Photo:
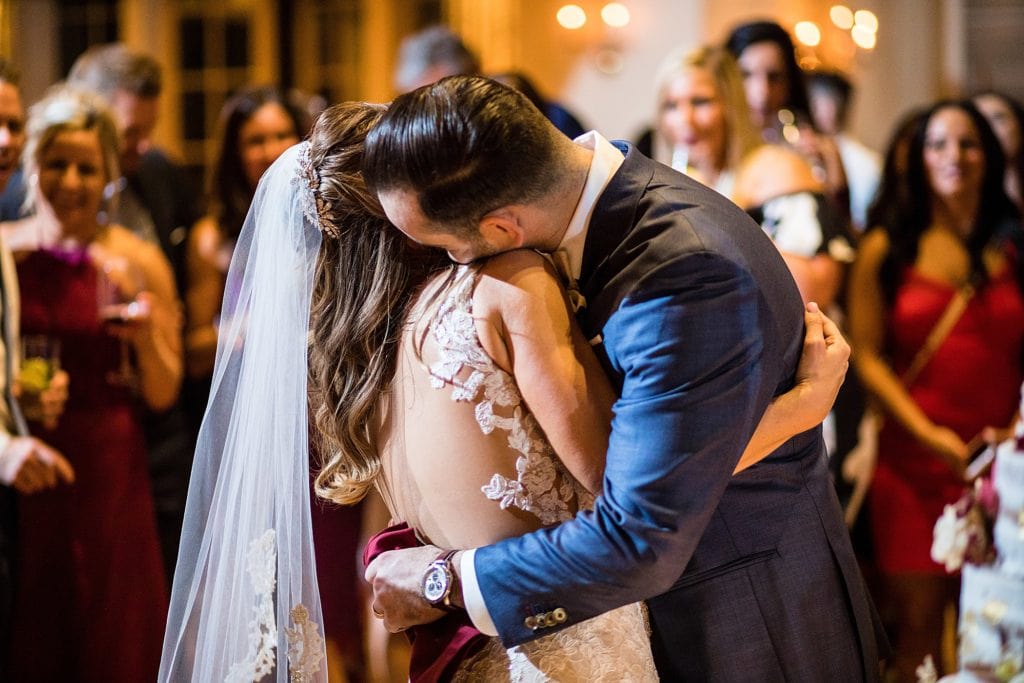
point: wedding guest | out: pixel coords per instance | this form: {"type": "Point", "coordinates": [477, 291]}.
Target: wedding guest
{"type": "Point", "coordinates": [704, 119]}
{"type": "Point", "coordinates": [27, 465]}
{"type": "Point", "coordinates": [256, 125]}
{"type": "Point", "coordinates": [437, 51]}
{"type": "Point", "coordinates": [12, 188]}
{"type": "Point", "coordinates": [830, 95]}
{"type": "Point", "coordinates": [156, 201]}
{"type": "Point", "coordinates": [430, 55]}
{"type": "Point", "coordinates": [894, 185]}
{"type": "Point", "coordinates": [779, 106]}
{"type": "Point", "coordinates": [935, 303]}
{"type": "Point", "coordinates": [772, 79]}
{"type": "Point", "coordinates": [560, 117]}
{"type": "Point", "coordinates": [91, 592]}
{"type": "Point", "coordinates": [1006, 116]}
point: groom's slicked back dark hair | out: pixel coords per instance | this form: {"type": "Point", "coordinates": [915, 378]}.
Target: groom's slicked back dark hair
{"type": "Point", "coordinates": [465, 146]}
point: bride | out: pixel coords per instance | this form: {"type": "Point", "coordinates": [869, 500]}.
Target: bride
{"type": "Point", "coordinates": [419, 379]}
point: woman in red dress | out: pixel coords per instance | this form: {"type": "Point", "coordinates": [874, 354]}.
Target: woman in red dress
{"type": "Point", "coordinates": [948, 229]}
{"type": "Point", "coordinates": [91, 592]}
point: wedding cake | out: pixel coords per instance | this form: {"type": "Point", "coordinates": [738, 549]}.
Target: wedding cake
{"type": "Point", "coordinates": [984, 532]}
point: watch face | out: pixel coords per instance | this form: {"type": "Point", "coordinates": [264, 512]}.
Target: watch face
{"type": "Point", "coordinates": [435, 583]}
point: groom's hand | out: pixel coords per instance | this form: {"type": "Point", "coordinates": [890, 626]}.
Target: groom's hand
{"type": "Point", "coordinates": [396, 577]}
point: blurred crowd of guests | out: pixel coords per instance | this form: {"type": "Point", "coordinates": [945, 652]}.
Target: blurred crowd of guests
{"type": "Point", "coordinates": [109, 353]}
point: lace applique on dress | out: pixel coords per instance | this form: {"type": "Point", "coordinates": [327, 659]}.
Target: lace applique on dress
{"type": "Point", "coordinates": [542, 485]}
{"type": "Point", "coordinates": [613, 647]}
{"type": "Point", "coordinates": [305, 645]}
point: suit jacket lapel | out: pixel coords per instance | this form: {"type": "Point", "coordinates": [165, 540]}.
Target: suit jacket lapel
{"type": "Point", "coordinates": [612, 220]}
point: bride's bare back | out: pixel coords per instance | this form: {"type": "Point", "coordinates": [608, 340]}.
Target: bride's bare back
{"type": "Point", "coordinates": [465, 462]}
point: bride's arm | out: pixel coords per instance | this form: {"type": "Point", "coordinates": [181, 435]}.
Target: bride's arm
{"type": "Point", "coordinates": [525, 326]}
{"type": "Point", "coordinates": [821, 372]}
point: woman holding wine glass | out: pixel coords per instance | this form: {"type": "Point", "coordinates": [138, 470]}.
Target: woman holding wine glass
{"type": "Point", "coordinates": [91, 592]}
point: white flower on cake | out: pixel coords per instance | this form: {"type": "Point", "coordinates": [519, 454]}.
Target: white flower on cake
{"type": "Point", "coordinates": [949, 546]}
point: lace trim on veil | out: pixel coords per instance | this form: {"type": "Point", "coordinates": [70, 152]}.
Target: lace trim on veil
{"type": "Point", "coordinates": [262, 569]}
{"type": "Point", "coordinates": [245, 589]}
{"type": "Point", "coordinates": [305, 646]}
{"type": "Point", "coordinates": [304, 642]}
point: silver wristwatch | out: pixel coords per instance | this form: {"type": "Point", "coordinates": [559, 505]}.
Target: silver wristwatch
{"type": "Point", "coordinates": [439, 582]}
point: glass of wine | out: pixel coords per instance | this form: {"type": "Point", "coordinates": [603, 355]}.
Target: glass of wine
{"type": "Point", "coordinates": [40, 361]}
{"type": "Point", "coordinates": [40, 364]}
{"type": "Point", "coordinates": [118, 284]}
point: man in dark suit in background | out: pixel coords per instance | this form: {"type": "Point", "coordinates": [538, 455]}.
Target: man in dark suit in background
{"type": "Point", "coordinates": [157, 202]}
{"type": "Point", "coordinates": [699, 324]}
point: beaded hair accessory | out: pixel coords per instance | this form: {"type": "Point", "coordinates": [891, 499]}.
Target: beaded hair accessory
{"type": "Point", "coordinates": [313, 204]}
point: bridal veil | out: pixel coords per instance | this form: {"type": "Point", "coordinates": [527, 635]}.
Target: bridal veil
{"type": "Point", "coordinates": [244, 602]}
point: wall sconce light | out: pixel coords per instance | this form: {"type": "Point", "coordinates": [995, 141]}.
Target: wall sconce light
{"type": "Point", "coordinates": [837, 42]}
{"type": "Point", "coordinates": [862, 25]}
{"type": "Point", "coordinates": [615, 14]}
{"type": "Point", "coordinates": [603, 42]}
{"type": "Point", "coordinates": [841, 16]}
{"type": "Point", "coordinates": [571, 17]}
{"type": "Point", "coordinates": [808, 33]}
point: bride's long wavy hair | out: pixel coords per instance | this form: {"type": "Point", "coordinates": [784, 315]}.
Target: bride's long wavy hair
{"type": "Point", "coordinates": [364, 284]}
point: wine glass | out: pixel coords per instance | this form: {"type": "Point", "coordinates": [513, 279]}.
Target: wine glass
{"type": "Point", "coordinates": [118, 283]}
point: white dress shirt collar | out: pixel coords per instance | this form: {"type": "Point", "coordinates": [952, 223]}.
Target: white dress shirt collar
{"type": "Point", "coordinates": [606, 161]}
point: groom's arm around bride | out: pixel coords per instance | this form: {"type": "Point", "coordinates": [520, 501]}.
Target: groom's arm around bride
{"type": "Point", "coordinates": [701, 326]}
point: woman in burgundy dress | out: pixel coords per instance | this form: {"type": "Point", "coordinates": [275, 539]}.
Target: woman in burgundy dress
{"type": "Point", "coordinates": [944, 236]}
{"type": "Point", "coordinates": [91, 593]}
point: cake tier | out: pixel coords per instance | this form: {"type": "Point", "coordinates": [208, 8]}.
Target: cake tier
{"type": "Point", "coordinates": [991, 620]}
{"type": "Point", "coordinates": [1009, 526]}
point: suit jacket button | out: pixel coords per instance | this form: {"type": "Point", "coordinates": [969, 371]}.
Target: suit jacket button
{"type": "Point", "coordinates": [549, 619]}
{"type": "Point", "coordinates": [530, 623]}
{"type": "Point", "coordinates": [560, 615]}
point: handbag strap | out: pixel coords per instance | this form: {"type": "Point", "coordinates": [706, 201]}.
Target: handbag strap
{"type": "Point", "coordinates": [954, 309]}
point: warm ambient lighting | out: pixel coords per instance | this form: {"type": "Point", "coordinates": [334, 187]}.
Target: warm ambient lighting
{"type": "Point", "coordinates": [835, 44]}
{"type": "Point", "coordinates": [571, 17]}
{"type": "Point", "coordinates": [841, 16]}
{"type": "Point", "coordinates": [863, 37]}
{"type": "Point", "coordinates": [807, 32]}
{"type": "Point", "coordinates": [866, 19]}
{"type": "Point", "coordinates": [615, 14]}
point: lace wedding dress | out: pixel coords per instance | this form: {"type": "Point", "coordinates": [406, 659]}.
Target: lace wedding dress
{"type": "Point", "coordinates": [611, 647]}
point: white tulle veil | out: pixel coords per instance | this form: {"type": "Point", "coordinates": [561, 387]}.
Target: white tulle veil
{"type": "Point", "coordinates": [245, 602]}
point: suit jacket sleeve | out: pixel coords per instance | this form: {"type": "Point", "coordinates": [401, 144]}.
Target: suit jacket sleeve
{"type": "Point", "coordinates": [687, 342]}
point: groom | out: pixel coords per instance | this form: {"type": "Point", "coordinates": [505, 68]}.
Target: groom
{"type": "Point", "coordinates": [699, 324]}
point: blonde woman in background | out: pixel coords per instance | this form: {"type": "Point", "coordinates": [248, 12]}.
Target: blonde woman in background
{"type": "Point", "coordinates": [703, 118]}
{"type": "Point", "coordinates": [91, 592]}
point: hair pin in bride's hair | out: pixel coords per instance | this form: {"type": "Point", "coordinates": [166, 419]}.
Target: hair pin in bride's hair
{"type": "Point", "coordinates": [313, 204]}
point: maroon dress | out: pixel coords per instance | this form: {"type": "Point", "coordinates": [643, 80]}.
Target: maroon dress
{"type": "Point", "coordinates": [91, 597]}
{"type": "Point", "coordinates": [972, 381]}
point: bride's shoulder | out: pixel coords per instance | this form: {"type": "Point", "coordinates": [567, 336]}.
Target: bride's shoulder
{"type": "Point", "coordinates": [521, 268]}
{"type": "Point", "coordinates": [508, 265]}
{"type": "Point", "coordinates": [516, 290]}
{"type": "Point", "coordinates": [507, 277]}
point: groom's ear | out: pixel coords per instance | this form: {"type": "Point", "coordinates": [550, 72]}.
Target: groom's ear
{"type": "Point", "coordinates": [503, 229]}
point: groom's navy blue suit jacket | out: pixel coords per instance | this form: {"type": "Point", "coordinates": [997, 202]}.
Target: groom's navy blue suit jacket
{"type": "Point", "coordinates": [749, 577]}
